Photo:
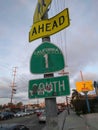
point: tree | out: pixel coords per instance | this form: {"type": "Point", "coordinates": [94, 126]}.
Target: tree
{"type": "Point", "coordinates": [10, 104]}
{"type": "Point", "coordinates": [19, 104]}
{"type": "Point", "coordinates": [76, 94]}
{"type": "Point", "coordinates": [75, 100]}
{"type": "Point", "coordinates": [0, 107]}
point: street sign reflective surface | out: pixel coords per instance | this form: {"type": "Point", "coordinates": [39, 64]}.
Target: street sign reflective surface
{"type": "Point", "coordinates": [84, 86]}
{"type": "Point", "coordinates": [49, 87]}
{"type": "Point", "coordinates": [46, 58]}
{"type": "Point", "coordinates": [40, 10]}
{"type": "Point", "coordinates": [50, 26]}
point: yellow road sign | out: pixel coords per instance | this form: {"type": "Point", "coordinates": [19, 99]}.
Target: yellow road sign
{"type": "Point", "coordinates": [84, 86]}
{"type": "Point", "coordinates": [49, 26]}
{"type": "Point", "coordinates": [40, 10]}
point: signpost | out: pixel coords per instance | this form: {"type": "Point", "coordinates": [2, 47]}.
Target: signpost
{"type": "Point", "coordinates": [46, 58]}
{"type": "Point", "coordinates": [49, 87]}
{"type": "Point", "coordinates": [85, 86]}
{"type": "Point", "coordinates": [50, 26]}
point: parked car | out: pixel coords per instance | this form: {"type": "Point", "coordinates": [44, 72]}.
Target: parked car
{"type": "Point", "coordinates": [10, 114]}
{"type": "Point", "coordinates": [13, 127]}
{"type": "Point", "coordinates": [19, 114]}
{"type": "Point", "coordinates": [42, 117]}
{"type": "Point", "coordinates": [4, 115]}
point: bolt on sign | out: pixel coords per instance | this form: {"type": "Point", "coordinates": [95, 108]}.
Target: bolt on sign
{"type": "Point", "coordinates": [50, 26]}
{"type": "Point", "coordinates": [49, 87]}
{"type": "Point", "coordinates": [46, 58]}
{"type": "Point", "coordinates": [40, 10]}
{"type": "Point", "coordinates": [84, 86]}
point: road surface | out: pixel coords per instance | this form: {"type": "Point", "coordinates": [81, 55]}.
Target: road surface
{"type": "Point", "coordinates": [29, 121]}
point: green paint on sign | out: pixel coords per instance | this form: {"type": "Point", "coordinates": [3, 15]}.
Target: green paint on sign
{"type": "Point", "coordinates": [49, 87]}
{"type": "Point", "coordinates": [46, 58]}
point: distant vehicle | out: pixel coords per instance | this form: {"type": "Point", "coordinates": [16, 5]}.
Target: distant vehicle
{"type": "Point", "coordinates": [4, 115]}
{"type": "Point", "coordinates": [27, 113]}
{"type": "Point", "coordinates": [31, 112]}
{"type": "Point", "coordinates": [13, 127]}
{"type": "Point", "coordinates": [10, 114]}
{"type": "Point", "coordinates": [19, 114]}
{"type": "Point", "coordinates": [39, 111]}
{"type": "Point", "coordinates": [42, 117]}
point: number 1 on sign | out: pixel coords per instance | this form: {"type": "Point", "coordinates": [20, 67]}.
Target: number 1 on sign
{"type": "Point", "coordinates": [46, 60]}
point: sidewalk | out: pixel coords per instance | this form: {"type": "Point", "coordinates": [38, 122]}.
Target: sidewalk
{"type": "Point", "coordinates": [74, 122]}
{"type": "Point", "coordinates": [83, 122]}
{"type": "Point", "coordinates": [92, 121]}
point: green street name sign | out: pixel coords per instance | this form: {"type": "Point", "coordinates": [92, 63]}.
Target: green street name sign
{"type": "Point", "coordinates": [49, 87]}
{"type": "Point", "coordinates": [46, 58]}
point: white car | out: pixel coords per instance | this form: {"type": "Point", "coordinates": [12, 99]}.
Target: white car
{"type": "Point", "coordinates": [19, 114]}
{"type": "Point", "coordinates": [42, 117]}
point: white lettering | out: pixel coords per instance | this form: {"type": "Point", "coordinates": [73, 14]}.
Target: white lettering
{"type": "Point", "coordinates": [31, 93]}
{"type": "Point", "coordinates": [46, 60]}
{"type": "Point", "coordinates": [54, 83]}
{"type": "Point", "coordinates": [41, 89]}
{"type": "Point", "coordinates": [48, 87]}
{"type": "Point", "coordinates": [47, 51]}
{"type": "Point", "coordinates": [61, 86]}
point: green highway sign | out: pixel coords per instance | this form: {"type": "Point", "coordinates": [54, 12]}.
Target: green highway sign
{"type": "Point", "coordinates": [49, 87]}
{"type": "Point", "coordinates": [46, 58]}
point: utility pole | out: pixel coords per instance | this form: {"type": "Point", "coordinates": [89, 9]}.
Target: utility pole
{"type": "Point", "coordinates": [13, 90]}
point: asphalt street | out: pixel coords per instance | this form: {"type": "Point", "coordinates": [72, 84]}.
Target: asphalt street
{"type": "Point", "coordinates": [30, 121]}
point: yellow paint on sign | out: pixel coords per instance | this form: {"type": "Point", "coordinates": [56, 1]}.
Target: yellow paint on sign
{"type": "Point", "coordinates": [84, 86]}
{"type": "Point", "coordinates": [51, 26]}
{"type": "Point", "coordinates": [40, 10]}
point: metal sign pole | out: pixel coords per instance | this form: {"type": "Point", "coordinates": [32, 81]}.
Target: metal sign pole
{"type": "Point", "coordinates": [86, 96]}
{"type": "Point", "coordinates": [51, 111]}
{"type": "Point", "coordinates": [88, 106]}
{"type": "Point", "coordinates": [51, 106]}
{"type": "Point", "coordinates": [40, 29]}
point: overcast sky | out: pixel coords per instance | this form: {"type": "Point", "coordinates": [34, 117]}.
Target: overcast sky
{"type": "Point", "coordinates": [78, 42]}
